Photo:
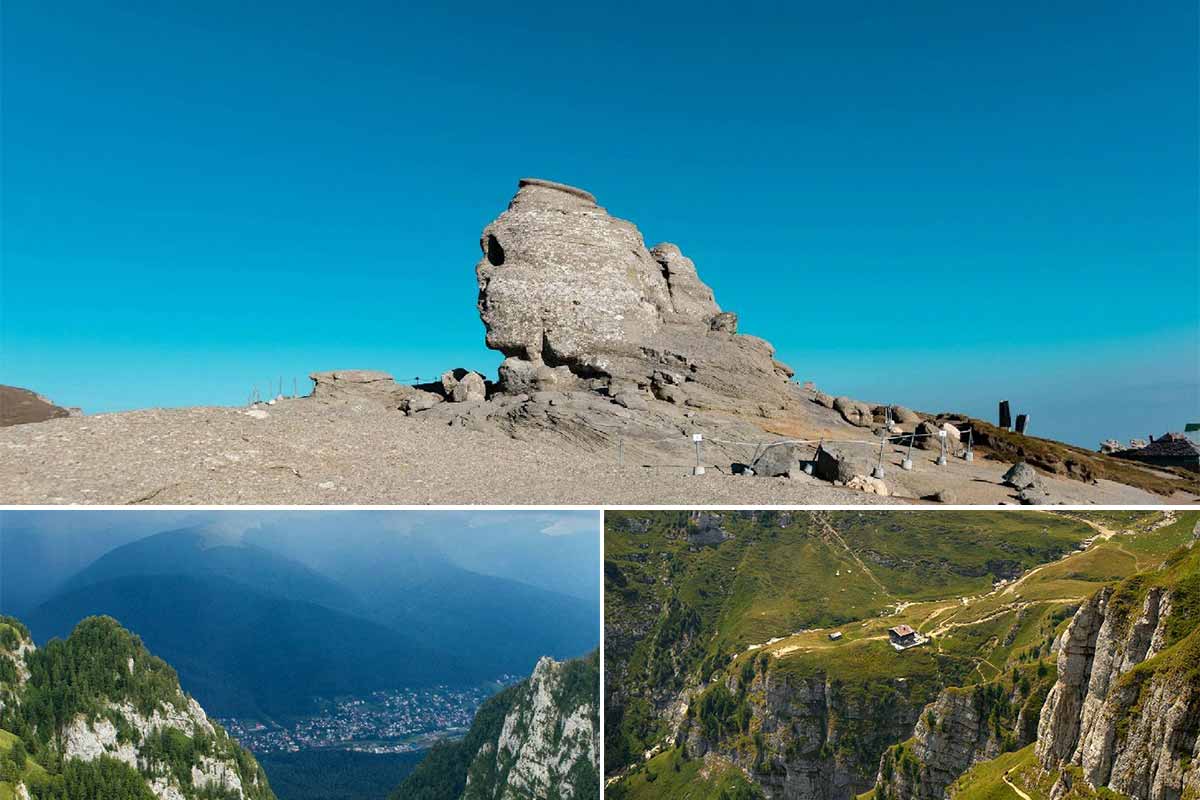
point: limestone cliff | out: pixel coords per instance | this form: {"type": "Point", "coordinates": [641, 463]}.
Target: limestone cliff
{"type": "Point", "coordinates": [537, 740]}
{"type": "Point", "coordinates": [812, 737]}
{"type": "Point", "coordinates": [963, 727]}
{"type": "Point", "coordinates": [548, 746]}
{"type": "Point", "coordinates": [98, 710]}
{"type": "Point", "coordinates": [1125, 711]}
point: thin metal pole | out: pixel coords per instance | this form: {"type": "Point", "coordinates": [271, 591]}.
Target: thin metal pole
{"type": "Point", "coordinates": [879, 466]}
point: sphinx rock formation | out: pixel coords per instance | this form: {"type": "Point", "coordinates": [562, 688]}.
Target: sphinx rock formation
{"type": "Point", "coordinates": [575, 301]}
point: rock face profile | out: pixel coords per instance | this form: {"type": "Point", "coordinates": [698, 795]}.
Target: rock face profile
{"type": "Point", "coordinates": [574, 299]}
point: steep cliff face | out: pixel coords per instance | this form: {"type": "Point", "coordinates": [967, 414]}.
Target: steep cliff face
{"type": "Point", "coordinates": [548, 746]}
{"type": "Point", "coordinates": [538, 740]}
{"type": "Point", "coordinates": [1125, 711]}
{"type": "Point", "coordinates": [807, 737]}
{"type": "Point", "coordinates": [97, 710]}
{"type": "Point", "coordinates": [963, 727]}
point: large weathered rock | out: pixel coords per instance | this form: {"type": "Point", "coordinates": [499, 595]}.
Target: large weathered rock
{"type": "Point", "coordinates": [927, 436]}
{"type": "Point", "coordinates": [781, 460]}
{"type": "Point", "coordinates": [368, 387]}
{"type": "Point", "coordinates": [348, 386]}
{"type": "Point", "coordinates": [470, 389]}
{"type": "Point", "coordinates": [839, 465]}
{"type": "Point", "coordinates": [575, 300]}
{"type": "Point", "coordinates": [1020, 476]}
{"type": "Point", "coordinates": [854, 412]}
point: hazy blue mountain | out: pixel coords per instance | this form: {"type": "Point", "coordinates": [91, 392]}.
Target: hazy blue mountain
{"type": "Point", "coordinates": [244, 653]}
{"type": "Point", "coordinates": [34, 564]}
{"type": "Point", "coordinates": [405, 581]}
{"type": "Point", "coordinates": [209, 550]}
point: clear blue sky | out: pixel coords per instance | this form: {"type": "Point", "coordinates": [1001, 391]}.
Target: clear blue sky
{"type": "Point", "coordinates": [937, 206]}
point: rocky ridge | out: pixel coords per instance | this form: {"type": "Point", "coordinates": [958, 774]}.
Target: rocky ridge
{"type": "Point", "coordinates": [1125, 711]}
{"type": "Point", "coordinates": [537, 740]}
{"type": "Point", "coordinates": [127, 717]}
{"type": "Point", "coordinates": [814, 736]}
{"type": "Point", "coordinates": [548, 743]}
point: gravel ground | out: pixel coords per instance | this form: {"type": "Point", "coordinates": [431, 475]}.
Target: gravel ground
{"type": "Point", "coordinates": [306, 453]}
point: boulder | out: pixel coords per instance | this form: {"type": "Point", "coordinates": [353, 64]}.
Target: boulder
{"type": "Point", "coordinates": [1034, 495]}
{"type": "Point", "coordinates": [450, 379]}
{"type": "Point", "coordinates": [905, 415]}
{"type": "Point", "coordinates": [945, 496]}
{"type": "Point", "coordinates": [927, 436]}
{"type": "Point", "coordinates": [358, 387]}
{"type": "Point", "coordinates": [470, 388]}
{"type": "Point", "coordinates": [573, 298]}
{"type": "Point", "coordinates": [854, 412]}
{"type": "Point", "coordinates": [822, 399]}
{"type": "Point", "coordinates": [839, 465]}
{"type": "Point", "coordinates": [953, 434]}
{"type": "Point", "coordinates": [868, 484]}
{"type": "Point", "coordinates": [781, 460]}
{"type": "Point", "coordinates": [1020, 476]}
{"type": "Point", "coordinates": [419, 400]}
{"type": "Point", "coordinates": [1110, 446]}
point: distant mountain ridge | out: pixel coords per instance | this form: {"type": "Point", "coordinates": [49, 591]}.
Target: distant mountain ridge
{"type": "Point", "coordinates": [376, 618]}
{"type": "Point", "coordinates": [248, 654]}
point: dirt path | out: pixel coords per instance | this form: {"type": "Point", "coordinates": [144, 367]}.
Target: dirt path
{"type": "Point", "coordinates": [1013, 786]}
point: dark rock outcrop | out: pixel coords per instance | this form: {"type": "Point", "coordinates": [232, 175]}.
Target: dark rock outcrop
{"type": "Point", "coordinates": [839, 465]}
{"type": "Point", "coordinates": [781, 460]}
{"type": "Point", "coordinates": [20, 406]}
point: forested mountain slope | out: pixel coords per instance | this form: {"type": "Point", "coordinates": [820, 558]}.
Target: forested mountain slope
{"type": "Point", "coordinates": [97, 716]}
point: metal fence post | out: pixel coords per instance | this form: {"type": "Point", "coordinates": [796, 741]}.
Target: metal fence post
{"type": "Point", "coordinates": [941, 459]}
{"type": "Point", "coordinates": [698, 438]}
{"type": "Point", "coordinates": [878, 472]}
